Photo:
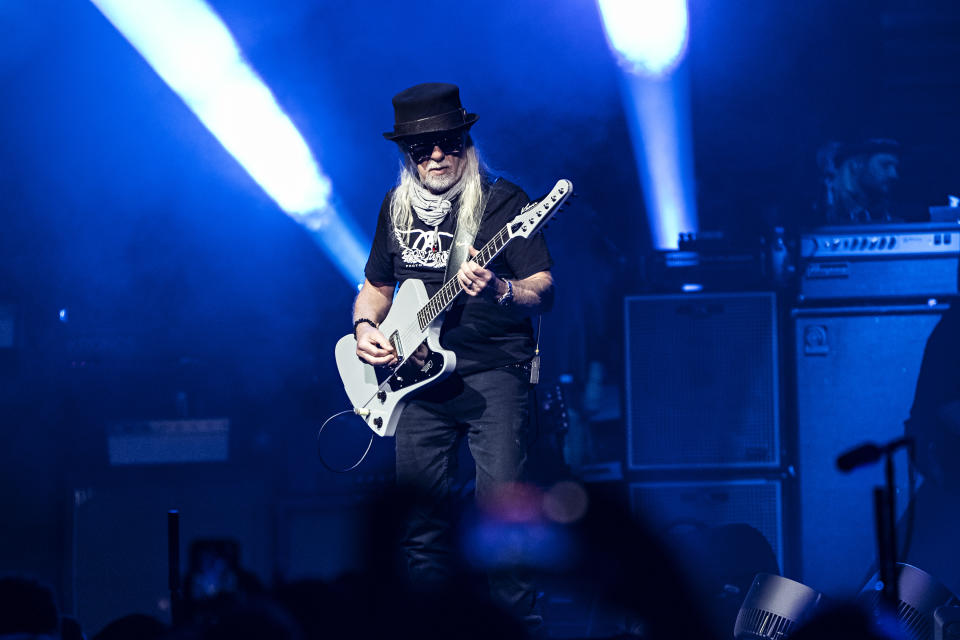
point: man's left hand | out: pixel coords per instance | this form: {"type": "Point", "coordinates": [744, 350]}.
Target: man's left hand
{"type": "Point", "coordinates": [476, 280]}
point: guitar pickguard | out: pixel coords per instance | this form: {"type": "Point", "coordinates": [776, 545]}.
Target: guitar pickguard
{"type": "Point", "coordinates": [422, 364]}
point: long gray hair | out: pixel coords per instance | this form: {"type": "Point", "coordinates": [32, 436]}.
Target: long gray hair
{"type": "Point", "coordinates": [472, 197]}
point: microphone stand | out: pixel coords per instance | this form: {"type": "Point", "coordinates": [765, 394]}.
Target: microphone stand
{"type": "Point", "coordinates": [885, 518]}
{"type": "Point", "coordinates": [885, 511]}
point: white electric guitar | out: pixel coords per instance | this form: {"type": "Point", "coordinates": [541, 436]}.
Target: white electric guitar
{"type": "Point", "coordinates": [379, 394]}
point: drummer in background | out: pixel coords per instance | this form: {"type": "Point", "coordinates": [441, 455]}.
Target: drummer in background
{"type": "Point", "coordinates": [859, 180]}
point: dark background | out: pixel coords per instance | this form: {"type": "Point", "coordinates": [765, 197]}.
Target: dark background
{"type": "Point", "coordinates": [180, 275]}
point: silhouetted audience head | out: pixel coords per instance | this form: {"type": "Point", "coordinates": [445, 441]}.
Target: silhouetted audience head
{"type": "Point", "coordinates": [322, 609]}
{"type": "Point", "coordinates": [70, 629]}
{"type": "Point", "coordinates": [616, 561]}
{"type": "Point", "coordinates": [136, 626]}
{"type": "Point", "coordinates": [253, 619]}
{"type": "Point", "coordinates": [27, 607]}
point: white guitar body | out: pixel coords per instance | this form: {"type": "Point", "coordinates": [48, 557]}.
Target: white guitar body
{"type": "Point", "coordinates": [381, 393]}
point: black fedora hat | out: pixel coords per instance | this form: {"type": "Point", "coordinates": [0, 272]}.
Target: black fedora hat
{"type": "Point", "coordinates": [427, 108]}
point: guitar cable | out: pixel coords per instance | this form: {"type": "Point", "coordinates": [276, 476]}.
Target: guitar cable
{"type": "Point", "coordinates": [320, 452]}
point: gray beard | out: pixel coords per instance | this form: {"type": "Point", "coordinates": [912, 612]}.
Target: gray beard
{"type": "Point", "coordinates": [440, 184]}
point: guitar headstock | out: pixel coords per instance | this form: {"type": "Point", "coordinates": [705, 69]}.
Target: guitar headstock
{"type": "Point", "coordinates": [536, 214]}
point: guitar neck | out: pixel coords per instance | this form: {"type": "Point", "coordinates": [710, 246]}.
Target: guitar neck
{"type": "Point", "coordinates": [451, 288]}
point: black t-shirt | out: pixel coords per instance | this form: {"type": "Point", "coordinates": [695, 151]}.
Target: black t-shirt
{"type": "Point", "coordinates": [483, 334]}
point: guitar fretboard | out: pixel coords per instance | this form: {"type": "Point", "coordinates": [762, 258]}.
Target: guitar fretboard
{"type": "Point", "coordinates": [452, 288]}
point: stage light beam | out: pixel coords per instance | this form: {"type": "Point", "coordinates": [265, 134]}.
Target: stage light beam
{"type": "Point", "coordinates": [649, 39]}
{"type": "Point", "coordinates": [191, 49]}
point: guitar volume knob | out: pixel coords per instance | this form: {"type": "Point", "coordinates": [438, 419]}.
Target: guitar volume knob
{"type": "Point", "coordinates": [382, 396]}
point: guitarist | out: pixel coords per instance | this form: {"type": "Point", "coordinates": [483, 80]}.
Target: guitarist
{"type": "Point", "coordinates": [444, 205]}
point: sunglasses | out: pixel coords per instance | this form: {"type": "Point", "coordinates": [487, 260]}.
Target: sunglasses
{"type": "Point", "coordinates": [420, 150]}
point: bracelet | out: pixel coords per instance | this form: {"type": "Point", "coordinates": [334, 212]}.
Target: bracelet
{"type": "Point", "coordinates": [507, 298]}
{"type": "Point", "coordinates": [357, 323]}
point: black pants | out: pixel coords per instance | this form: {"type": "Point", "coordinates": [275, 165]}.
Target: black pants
{"type": "Point", "coordinates": [491, 410]}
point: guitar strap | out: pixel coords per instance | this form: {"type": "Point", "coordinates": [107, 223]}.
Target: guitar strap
{"type": "Point", "coordinates": [463, 237]}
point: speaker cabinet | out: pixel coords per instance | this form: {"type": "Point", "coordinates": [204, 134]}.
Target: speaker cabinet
{"type": "Point", "coordinates": [856, 372]}
{"type": "Point", "coordinates": [702, 381]}
{"type": "Point", "coordinates": [756, 502]}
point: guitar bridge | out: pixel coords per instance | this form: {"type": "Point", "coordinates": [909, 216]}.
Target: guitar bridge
{"type": "Point", "coordinates": [397, 346]}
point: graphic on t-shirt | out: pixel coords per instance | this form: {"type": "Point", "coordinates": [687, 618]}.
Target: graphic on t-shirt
{"type": "Point", "coordinates": [424, 247]}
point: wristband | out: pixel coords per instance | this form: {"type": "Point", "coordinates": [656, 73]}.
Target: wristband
{"type": "Point", "coordinates": [507, 298]}
{"type": "Point", "coordinates": [357, 323]}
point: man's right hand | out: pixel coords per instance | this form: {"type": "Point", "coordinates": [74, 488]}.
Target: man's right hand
{"type": "Point", "coordinates": [373, 348]}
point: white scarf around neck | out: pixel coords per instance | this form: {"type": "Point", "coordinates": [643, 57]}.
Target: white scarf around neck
{"type": "Point", "coordinates": [432, 208]}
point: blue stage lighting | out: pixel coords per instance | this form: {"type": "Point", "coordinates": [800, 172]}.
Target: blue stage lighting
{"type": "Point", "coordinates": [658, 114]}
{"type": "Point", "coordinates": [649, 36]}
{"type": "Point", "coordinates": [188, 45]}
